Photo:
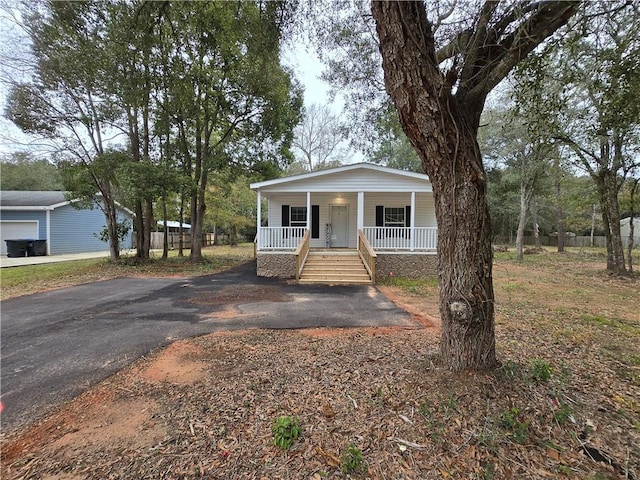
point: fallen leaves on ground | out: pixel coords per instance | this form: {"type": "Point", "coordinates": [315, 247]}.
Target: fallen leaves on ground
{"type": "Point", "coordinates": [564, 403]}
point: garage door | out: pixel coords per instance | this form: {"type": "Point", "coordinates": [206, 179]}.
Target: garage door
{"type": "Point", "coordinates": [11, 230]}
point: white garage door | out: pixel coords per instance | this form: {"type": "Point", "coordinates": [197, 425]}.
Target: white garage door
{"type": "Point", "coordinates": [11, 230]}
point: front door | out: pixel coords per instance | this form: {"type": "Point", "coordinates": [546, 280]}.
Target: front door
{"type": "Point", "coordinates": [340, 226]}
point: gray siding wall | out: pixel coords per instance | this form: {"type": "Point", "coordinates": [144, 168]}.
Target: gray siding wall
{"type": "Point", "coordinates": [72, 231]}
{"type": "Point", "coordinates": [40, 216]}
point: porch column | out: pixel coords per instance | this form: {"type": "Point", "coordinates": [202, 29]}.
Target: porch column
{"type": "Point", "coordinates": [48, 231]}
{"type": "Point", "coordinates": [259, 221]}
{"type": "Point", "coordinates": [413, 221]}
{"type": "Point", "coordinates": [309, 212]}
{"type": "Point", "coordinates": [360, 214]}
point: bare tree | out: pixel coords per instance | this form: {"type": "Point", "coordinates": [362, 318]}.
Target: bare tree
{"type": "Point", "coordinates": [318, 137]}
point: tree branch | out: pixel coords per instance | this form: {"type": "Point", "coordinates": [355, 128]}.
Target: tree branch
{"type": "Point", "coordinates": [548, 18]}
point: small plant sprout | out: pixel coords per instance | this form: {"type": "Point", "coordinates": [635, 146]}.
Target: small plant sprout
{"type": "Point", "coordinates": [286, 430]}
{"type": "Point", "coordinates": [510, 422]}
{"type": "Point", "coordinates": [352, 460]}
{"type": "Point", "coordinates": [541, 371]}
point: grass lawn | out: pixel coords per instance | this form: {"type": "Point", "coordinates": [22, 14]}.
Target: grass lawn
{"type": "Point", "coordinates": [373, 403]}
{"type": "Point", "coordinates": [17, 281]}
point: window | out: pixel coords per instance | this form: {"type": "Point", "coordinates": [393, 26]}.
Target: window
{"type": "Point", "coordinates": [394, 217]}
{"type": "Point", "coordinates": [298, 217]}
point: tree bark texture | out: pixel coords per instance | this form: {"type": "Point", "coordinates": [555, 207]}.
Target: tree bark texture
{"type": "Point", "coordinates": [607, 186]}
{"type": "Point", "coordinates": [444, 134]}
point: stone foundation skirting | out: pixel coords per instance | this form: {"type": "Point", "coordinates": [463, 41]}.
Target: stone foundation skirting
{"type": "Point", "coordinates": [407, 265]}
{"type": "Point", "coordinates": [280, 265]}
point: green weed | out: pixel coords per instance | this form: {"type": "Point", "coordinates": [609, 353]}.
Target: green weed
{"type": "Point", "coordinates": [516, 429]}
{"type": "Point", "coordinates": [352, 461]}
{"type": "Point", "coordinates": [541, 371]}
{"type": "Point", "coordinates": [510, 370]}
{"type": "Point", "coordinates": [286, 430]}
{"type": "Point", "coordinates": [563, 414]}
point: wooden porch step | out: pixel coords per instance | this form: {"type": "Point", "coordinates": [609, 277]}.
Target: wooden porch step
{"type": "Point", "coordinates": [335, 268]}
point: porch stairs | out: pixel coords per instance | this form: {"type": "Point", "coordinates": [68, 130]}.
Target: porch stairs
{"type": "Point", "coordinates": [342, 267]}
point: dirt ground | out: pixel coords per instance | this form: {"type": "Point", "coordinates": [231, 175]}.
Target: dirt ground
{"type": "Point", "coordinates": [564, 404]}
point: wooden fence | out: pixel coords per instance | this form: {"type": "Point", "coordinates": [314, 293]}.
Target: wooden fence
{"type": "Point", "coordinates": [569, 241]}
{"type": "Point", "coordinates": [157, 240]}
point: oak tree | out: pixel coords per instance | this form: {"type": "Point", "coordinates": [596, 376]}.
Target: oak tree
{"type": "Point", "coordinates": [438, 75]}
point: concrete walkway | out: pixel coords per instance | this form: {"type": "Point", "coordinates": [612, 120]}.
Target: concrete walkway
{"type": "Point", "coordinates": [6, 262]}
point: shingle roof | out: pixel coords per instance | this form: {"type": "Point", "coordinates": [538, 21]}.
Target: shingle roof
{"type": "Point", "coordinates": [21, 198]}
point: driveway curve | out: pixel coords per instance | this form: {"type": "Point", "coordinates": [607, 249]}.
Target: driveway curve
{"type": "Point", "coordinates": [57, 344]}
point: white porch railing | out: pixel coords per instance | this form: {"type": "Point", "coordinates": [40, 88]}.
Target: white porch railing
{"type": "Point", "coordinates": [399, 238]}
{"type": "Point", "coordinates": [279, 238]}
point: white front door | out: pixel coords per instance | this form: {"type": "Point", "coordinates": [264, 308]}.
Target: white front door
{"type": "Point", "coordinates": [340, 226]}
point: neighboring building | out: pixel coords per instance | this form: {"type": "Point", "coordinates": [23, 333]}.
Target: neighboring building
{"type": "Point", "coordinates": [625, 225]}
{"type": "Point", "coordinates": [174, 226]}
{"type": "Point", "coordinates": [49, 216]}
{"type": "Point", "coordinates": [381, 218]}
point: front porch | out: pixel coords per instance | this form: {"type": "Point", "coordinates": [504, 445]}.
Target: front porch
{"type": "Point", "coordinates": [384, 217]}
{"type": "Point", "coordinates": [286, 253]}
{"type": "Point", "coordinates": [390, 239]}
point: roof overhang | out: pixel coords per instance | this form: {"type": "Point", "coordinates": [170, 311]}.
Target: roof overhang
{"type": "Point", "coordinates": [275, 184]}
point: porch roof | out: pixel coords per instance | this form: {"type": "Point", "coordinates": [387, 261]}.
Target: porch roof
{"type": "Point", "coordinates": [358, 177]}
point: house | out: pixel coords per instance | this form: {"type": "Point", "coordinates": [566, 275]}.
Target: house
{"type": "Point", "coordinates": [625, 226]}
{"type": "Point", "coordinates": [351, 224]}
{"type": "Point", "coordinates": [50, 216]}
{"type": "Point", "coordinates": [174, 227]}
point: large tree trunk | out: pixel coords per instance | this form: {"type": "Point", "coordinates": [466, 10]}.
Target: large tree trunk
{"type": "Point", "coordinates": [522, 222]}
{"type": "Point", "coordinates": [111, 215]}
{"type": "Point", "coordinates": [139, 228]}
{"type": "Point", "coordinates": [533, 209]}
{"type": "Point", "coordinates": [148, 227]}
{"type": "Point", "coordinates": [526, 194]}
{"type": "Point", "coordinates": [444, 134]}
{"type": "Point", "coordinates": [443, 128]}
{"type": "Point", "coordinates": [559, 211]}
{"type": "Point", "coordinates": [608, 199]}
{"type": "Point", "coordinates": [630, 238]}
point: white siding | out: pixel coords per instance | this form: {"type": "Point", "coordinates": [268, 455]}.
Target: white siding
{"type": "Point", "coordinates": [425, 213]}
{"type": "Point", "coordinates": [324, 201]}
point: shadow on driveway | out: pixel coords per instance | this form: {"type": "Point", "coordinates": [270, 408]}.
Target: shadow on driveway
{"type": "Point", "coordinates": [57, 344]}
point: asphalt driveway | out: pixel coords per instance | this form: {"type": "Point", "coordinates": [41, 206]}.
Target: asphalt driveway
{"type": "Point", "coordinates": [55, 345]}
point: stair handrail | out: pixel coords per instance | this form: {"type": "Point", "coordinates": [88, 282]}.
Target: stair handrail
{"type": "Point", "coordinates": [301, 253]}
{"type": "Point", "coordinates": [368, 256]}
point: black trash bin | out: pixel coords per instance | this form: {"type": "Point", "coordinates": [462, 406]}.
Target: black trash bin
{"type": "Point", "coordinates": [39, 247]}
{"type": "Point", "coordinates": [16, 248]}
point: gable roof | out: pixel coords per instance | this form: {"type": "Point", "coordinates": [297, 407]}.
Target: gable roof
{"type": "Point", "coordinates": [37, 200]}
{"type": "Point", "coordinates": [325, 180]}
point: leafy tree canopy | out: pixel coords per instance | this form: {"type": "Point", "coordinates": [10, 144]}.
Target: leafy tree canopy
{"type": "Point", "coordinates": [20, 171]}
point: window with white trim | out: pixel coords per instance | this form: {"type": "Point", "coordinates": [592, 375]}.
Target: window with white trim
{"type": "Point", "coordinates": [298, 217]}
{"type": "Point", "coordinates": [394, 217]}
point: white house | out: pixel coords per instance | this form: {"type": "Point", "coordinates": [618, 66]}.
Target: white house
{"type": "Point", "coordinates": [625, 227]}
{"type": "Point", "coordinates": [377, 220]}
